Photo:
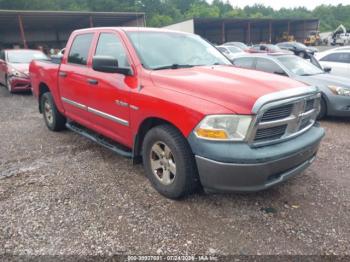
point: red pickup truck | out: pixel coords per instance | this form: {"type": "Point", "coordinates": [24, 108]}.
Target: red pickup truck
{"type": "Point", "coordinates": [174, 101]}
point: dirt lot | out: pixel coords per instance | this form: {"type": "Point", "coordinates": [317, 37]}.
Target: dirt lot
{"type": "Point", "coordinates": [62, 194]}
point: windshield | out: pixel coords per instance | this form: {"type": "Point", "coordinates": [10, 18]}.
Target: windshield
{"type": "Point", "coordinates": [159, 50]}
{"type": "Point", "coordinates": [299, 66]}
{"type": "Point", "coordinates": [25, 56]}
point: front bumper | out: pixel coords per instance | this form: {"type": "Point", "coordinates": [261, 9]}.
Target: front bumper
{"type": "Point", "coordinates": [229, 167]}
{"type": "Point", "coordinates": [20, 84]}
{"type": "Point", "coordinates": [338, 105]}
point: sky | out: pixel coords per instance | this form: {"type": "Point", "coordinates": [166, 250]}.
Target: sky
{"type": "Point", "coordinates": [277, 4]}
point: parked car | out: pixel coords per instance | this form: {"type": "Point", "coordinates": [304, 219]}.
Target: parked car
{"type": "Point", "coordinates": [267, 48]}
{"type": "Point", "coordinates": [229, 51]}
{"type": "Point", "coordinates": [190, 115]}
{"type": "Point", "coordinates": [240, 45]}
{"type": "Point", "coordinates": [298, 49]}
{"type": "Point", "coordinates": [337, 59]}
{"type": "Point", "coordinates": [335, 90]}
{"type": "Point", "coordinates": [14, 68]}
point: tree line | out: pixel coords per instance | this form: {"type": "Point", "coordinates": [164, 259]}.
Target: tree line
{"type": "Point", "coordinates": [164, 12]}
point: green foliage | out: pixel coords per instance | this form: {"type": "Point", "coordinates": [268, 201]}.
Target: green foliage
{"type": "Point", "coordinates": [164, 12]}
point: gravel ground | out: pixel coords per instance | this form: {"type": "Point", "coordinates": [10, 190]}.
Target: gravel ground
{"type": "Point", "coordinates": [62, 194]}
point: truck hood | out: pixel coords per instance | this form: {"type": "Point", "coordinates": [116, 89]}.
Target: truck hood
{"type": "Point", "coordinates": [235, 88]}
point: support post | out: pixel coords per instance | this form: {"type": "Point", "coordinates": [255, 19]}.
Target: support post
{"type": "Point", "coordinates": [249, 34]}
{"type": "Point", "coordinates": [21, 28]}
{"type": "Point", "coordinates": [223, 33]}
{"type": "Point", "coordinates": [270, 32]}
{"type": "Point", "coordinates": [91, 21]}
{"type": "Point", "coordinates": [288, 28]}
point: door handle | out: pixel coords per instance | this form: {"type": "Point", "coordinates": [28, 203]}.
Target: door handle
{"type": "Point", "coordinates": [92, 81]}
{"type": "Point", "coordinates": [62, 74]}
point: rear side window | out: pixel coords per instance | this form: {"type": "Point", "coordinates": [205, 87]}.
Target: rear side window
{"type": "Point", "coordinates": [245, 62]}
{"type": "Point", "coordinates": [337, 57]}
{"type": "Point", "coordinates": [267, 66]}
{"type": "Point", "coordinates": [79, 50]}
{"type": "Point", "coordinates": [110, 45]}
{"type": "Point", "coordinates": [2, 55]}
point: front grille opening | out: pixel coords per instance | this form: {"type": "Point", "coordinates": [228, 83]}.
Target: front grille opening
{"type": "Point", "coordinates": [271, 133]}
{"type": "Point", "coordinates": [310, 104]}
{"type": "Point", "coordinates": [277, 113]}
{"type": "Point", "coordinates": [305, 123]}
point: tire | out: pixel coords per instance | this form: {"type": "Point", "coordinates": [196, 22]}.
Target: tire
{"type": "Point", "coordinates": [54, 120]}
{"type": "Point", "coordinates": [176, 151]}
{"type": "Point", "coordinates": [8, 85]}
{"type": "Point", "coordinates": [323, 109]}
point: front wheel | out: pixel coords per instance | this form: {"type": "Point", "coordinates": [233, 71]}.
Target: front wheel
{"type": "Point", "coordinates": [323, 109]}
{"type": "Point", "coordinates": [169, 163]}
{"type": "Point", "coordinates": [54, 120]}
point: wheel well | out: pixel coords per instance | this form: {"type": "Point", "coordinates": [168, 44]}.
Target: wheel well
{"type": "Point", "coordinates": [146, 125]}
{"type": "Point", "coordinates": [43, 88]}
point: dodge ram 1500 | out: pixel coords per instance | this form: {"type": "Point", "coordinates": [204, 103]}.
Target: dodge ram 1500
{"type": "Point", "coordinates": [174, 101]}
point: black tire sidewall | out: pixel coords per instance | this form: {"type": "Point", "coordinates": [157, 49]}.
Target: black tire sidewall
{"type": "Point", "coordinates": [48, 97]}
{"type": "Point", "coordinates": [323, 109]}
{"type": "Point", "coordinates": [184, 163]}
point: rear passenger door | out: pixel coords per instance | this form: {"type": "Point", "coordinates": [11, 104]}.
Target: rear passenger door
{"type": "Point", "coordinates": [74, 79]}
{"type": "Point", "coordinates": [339, 62]}
{"type": "Point", "coordinates": [109, 97]}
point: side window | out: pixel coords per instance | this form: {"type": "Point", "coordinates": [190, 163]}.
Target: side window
{"type": "Point", "coordinates": [337, 57]}
{"type": "Point", "coordinates": [245, 62]}
{"type": "Point", "coordinates": [267, 66]}
{"type": "Point", "coordinates": [79, 50]}
{"type": "Point", "coordinates": [110, 45]}
{"type": "Point", "coordinates": [2, 55]}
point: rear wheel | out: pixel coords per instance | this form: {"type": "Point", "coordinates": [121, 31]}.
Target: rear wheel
{"type": "Point", "coordinates": [54, 120]}
{"type": "Point", "coordinates": [169, 162]}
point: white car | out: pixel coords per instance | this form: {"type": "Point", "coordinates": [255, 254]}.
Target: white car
{"type": "Point", "coordinates": [337, 59]}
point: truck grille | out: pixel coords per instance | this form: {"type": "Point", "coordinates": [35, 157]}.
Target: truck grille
{"type": "Point", "coordinates": [277, 122]}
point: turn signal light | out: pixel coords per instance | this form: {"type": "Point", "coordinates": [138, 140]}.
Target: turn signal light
{"type": "Point", "coordinates": [214, 134]}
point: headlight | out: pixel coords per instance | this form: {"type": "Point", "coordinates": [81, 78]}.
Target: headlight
{"type": "Point", "coordinates": [17, 73]}
{"type": "Point", "coordinates": [224, 127]}
{"type": "Point", "coordinates": [341, 91]}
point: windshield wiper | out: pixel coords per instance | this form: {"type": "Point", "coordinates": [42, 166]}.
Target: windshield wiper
{"type": "Point", "coordinates": [173, 66]}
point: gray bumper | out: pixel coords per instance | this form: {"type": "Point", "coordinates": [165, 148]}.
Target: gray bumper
{"type": "Point", "coordinates": [238, 167]}
{"type": "Point", "coordinates": [338, 105]}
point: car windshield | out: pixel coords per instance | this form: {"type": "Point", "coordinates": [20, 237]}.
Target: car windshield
{"type": "Point", "coordinates": [159, 50]}
{"type": "Point", "coordinates": [25, 56]}
{"type": "Point", "coordinates": [299, 66]}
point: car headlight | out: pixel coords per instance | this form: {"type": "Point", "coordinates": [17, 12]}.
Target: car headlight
{"type": "Point", "coordinates": [224, 127]}
{"type": "Point", "coordinates": [17, 73]}
{"type": "Point", "coordinates": [341, 91]}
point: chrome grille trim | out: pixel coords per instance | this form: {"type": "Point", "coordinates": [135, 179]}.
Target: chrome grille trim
{"type": "Point", "coordinates": [301, 118]}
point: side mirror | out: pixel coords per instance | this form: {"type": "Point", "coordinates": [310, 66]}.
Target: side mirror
{"type": "Point", "coordinates": [109, 64]}
{"type": "Point", "coordinates": [327, 69]}
{"type": "Point", "coordinates": [280, 72]}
